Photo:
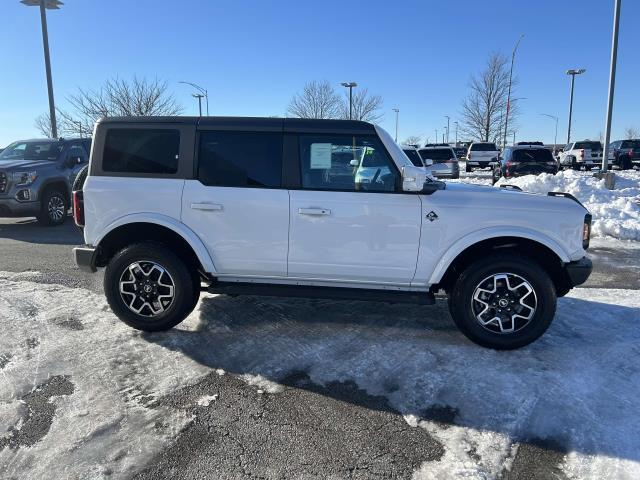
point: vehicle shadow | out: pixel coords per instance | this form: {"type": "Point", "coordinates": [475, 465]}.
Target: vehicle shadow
{"type": "Point", "coordinates": [29, 230]}
{"type": "Point", "coordinates": [575, 389]}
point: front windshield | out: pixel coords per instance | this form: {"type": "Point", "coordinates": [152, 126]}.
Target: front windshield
{"type": "Point", "coordinates": [32, 151]}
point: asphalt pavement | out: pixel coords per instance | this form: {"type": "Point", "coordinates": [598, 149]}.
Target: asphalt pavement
{"type": "Point", "coordinates": [330, 431]}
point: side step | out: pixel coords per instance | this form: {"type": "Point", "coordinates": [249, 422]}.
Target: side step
{"type": "Point", "coordinates": [305, 291]}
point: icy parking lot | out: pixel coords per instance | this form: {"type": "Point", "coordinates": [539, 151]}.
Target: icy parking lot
{"type": "Point", "coordinates": [83, 396]}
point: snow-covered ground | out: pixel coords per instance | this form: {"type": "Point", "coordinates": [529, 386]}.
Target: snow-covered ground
{"type": "Point", "coordinates": [616, 213]}
{"type": "Point", "coordinates": [77, 387]}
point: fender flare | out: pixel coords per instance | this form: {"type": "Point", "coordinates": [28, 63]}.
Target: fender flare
{"type": "Point", "coordinates": [486, 234]}
{"type": "Point", "coordinates": [168, 222]}
{"type": "Point", "coordinates": [55, 180]}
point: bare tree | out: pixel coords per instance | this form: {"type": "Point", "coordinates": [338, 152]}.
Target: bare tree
{"type": "Point", "coordinates": [484, 110]}
{"type": "Point", "coordinates": [116, 98]}
{"type": "Point", "coordinates": [631, 133]}
{"type": "Point", "coordinates": [43, 124]}
{"type": "Point", "coordinates": [365, 107]}
{"type": "Point", "coordinates": [412, 140]}
{"type": "Point", "coordinates": [317, 100]}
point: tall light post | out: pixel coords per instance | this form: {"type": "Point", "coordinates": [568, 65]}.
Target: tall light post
{"type": "Point", "coordinates": [436, 135]}
{"type": "Point", "coordinates": [612, 85]}
{"type": "Point", "coordinates": [204, 93]}
{"type": "Point", "coordinates": [447, 117]}
{"type": "Point", "coordinates": [397, 110]}
{"type": "Point", "coordinates": [44, 5]}
{"type": "Point", "coordinates": [555, 138]}
{"type": "Point", "coordinates": [573, 72]}
{"type": "Point", "coordinates": [456, 124]}
{"type": "Point", "coordinates": [350, 86]}
{"type": "Point", "coordinates": [506, 116]}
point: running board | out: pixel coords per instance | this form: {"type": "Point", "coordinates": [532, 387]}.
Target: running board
{"type": "Point", "coordinates": [335, 293]}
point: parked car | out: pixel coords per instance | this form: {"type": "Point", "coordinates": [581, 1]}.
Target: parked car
{"type": "Point", "coordinates": [461, 152]}
{"type": "Point", "coordinates": [36, 177]}
{"type": "Point", "coordinates": [443, 159]}
{"type": "Point", "coordinates": [624, 154]}
{"type": "Point", "coordinates": [412, 153]}
{"type": "Point", "coordinates": [175, 205]}
{"type": "Point", "coordinates": [578, 155]}
{"type": "Point", "coordinates": [481, 155]}
{"type": "Point", "coordinates": [525, 159]}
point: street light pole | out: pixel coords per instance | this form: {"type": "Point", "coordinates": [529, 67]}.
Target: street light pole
{"type": "Point", "coordinates": [350, 86]}
{"type": "Point", "coordinates": [612, 85]}
{"type": "Point", "coordinates": [555, 138]}
{"type": "Point", "coordinates": [456, 124]}
{"type": "Point", "coordinates": [52, 5]}
{"type": "Point", "coordinates": [506, 117]}
{"type": "Point", "coordinates": [397, 110]}
{"type": "Point", "coordinates": [436, 135]}
{"type": "Point", "coordinates": [447, 117]}
{"type": "Point", "coordinates": [573, 72]}
{"type": "Point", "coordinates": [203, 91]}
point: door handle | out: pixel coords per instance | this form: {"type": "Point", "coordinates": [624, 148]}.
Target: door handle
{"type": "Point", "coordinates": [314, 211]}
{"type": "Point", "coordinates": [209, 207]}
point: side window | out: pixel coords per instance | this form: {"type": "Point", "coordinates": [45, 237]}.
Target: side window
{"type": "Point", "coordinates": [76, 150]}
{"type": "Point", "coordinates": [141, 150]}
{"type": "Point", "coordinates": [87, 146]}
{"type": "Point", "coordinates": [345, 162]}
{"type": "Point", "coordinates": [240, 159]}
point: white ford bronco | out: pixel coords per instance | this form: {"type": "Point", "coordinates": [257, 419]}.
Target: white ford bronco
{"type": "Point", "coordinates": [266, 206]}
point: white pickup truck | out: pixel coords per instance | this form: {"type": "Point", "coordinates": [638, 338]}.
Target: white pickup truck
{"type": "Point", "coordinates": [173, 206]}
{"type": "Point", "coordinates": [578, 155]}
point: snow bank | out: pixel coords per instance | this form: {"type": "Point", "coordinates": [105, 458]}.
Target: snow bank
{"type": "Point", "coordinates": [616, 213]}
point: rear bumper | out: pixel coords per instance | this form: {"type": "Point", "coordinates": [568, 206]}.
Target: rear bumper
{"type": "Point", "coordinates": [579, 271]}
{"type": "Point", "coordinates": [85, 258]}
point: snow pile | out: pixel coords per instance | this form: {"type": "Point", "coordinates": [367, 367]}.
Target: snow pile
{"type": "Point", "coordinates": [616, 213]}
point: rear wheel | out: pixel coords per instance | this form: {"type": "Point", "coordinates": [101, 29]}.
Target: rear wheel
{"type": "Point", "coordinates": [503, 301]}
{"type": "Point", "coordinates": [149, 288]}
{"type": "Point", "coordinates": [53, 207]}
{"type": "Point", "coordinates": [468, 169]}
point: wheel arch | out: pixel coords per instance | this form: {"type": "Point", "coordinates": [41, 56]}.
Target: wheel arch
{"type": "Point", "coordinates": [137, 228]}
{"type": "Point", "coordinates": [542, 250]}
{"type": "Point", "coordinates": [60, 183]}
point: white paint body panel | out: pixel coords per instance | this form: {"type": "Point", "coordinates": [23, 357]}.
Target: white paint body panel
{"type": "Point", "coordinates": [245, 230]}
{"type": "Point", "coordinates": [370, 237]}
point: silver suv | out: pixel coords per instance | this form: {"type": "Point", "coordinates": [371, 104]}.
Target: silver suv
{"type": "Point", "coordinates": [36, 177]}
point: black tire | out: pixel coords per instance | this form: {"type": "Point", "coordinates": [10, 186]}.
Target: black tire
{"type": "Point", "coordinates": [78, 183]}
{"type": "Point", "coordinates": [461, 302]}
{"type": "Point", "coordinates": [468, 169]}
{"type": "Point", "coordinates": [186, 289]}
{"type": "Point", "coordinates": [625, 163]}
{"type": "Point", "coordinates": [54, 207]}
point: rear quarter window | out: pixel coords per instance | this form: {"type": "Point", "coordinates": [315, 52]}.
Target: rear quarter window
{"type": "Point", "coordinates": [141, 150]}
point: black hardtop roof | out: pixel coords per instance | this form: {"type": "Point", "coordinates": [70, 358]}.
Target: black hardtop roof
{"type": "Point", "coordinates": [309, 125]}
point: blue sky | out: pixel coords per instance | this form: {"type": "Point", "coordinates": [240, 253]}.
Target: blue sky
{"type": "Point", "coordinates": [253, 55]}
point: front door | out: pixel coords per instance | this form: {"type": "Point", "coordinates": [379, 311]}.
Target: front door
{"type": "Point", "coordinates": [349, 223]}
{"type": "Point", "coordinates": [236, 205]}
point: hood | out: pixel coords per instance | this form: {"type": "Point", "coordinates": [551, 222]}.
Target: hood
{"type": "Point", "coordinates": [14, 164]}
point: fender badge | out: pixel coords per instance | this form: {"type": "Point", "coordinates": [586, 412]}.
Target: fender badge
{"type": "Point", "coordinates": [431, 216]}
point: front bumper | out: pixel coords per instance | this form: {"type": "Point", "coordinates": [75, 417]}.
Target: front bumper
{"type": "Point", "coordinates": [85, 258]}
{"type": "Point", "coordinates": [10, 207]}
{"type": "Point", "coordinates": [578, 271]}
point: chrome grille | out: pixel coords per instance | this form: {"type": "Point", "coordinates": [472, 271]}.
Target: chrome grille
{"type": "Point", "coordinates": [3, 182]}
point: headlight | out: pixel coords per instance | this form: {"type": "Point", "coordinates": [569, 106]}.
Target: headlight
{"type": "Point", "coordinates": [24, 178]}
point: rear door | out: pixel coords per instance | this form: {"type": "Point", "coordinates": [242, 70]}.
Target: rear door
{"type": "Point", "coordinates": [348, 226]}
{"type": "Point", "coordinates": [532, 161]}
{"type": "Point", "coordinates": [236, 203]}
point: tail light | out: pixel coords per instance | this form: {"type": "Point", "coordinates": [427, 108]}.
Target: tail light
{"type": "Point", "coordinates": [631, 152]}
{"type": "Point", "coordinates": [582, 154]}
{"type": "Point", "coordinates": [586, 231]}
{"type": "Point", "coordinates": [469, 156]}
{"type": "Point", "coordinates": [78, 208]}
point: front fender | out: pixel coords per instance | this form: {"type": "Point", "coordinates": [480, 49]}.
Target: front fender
{"type": "Point", "coordinates": [172, 224]}
{"type": "Point", "coordinates": [486, 234]}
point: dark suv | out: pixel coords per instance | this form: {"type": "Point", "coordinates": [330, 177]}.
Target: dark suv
{"type": "Point", "coordinates": [624, 154]}
{"type": "Point", "coordinates": [36, 177]}
{"type": "Point", "coordinates": [526, 159]}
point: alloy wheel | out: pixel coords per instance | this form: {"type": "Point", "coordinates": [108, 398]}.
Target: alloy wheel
{"type": "Point", "coordinates": [504, 303]}
{"type": "Point", "coordinates": [55, 208]}
{"type": "Point", "coordinates": [147, 288]}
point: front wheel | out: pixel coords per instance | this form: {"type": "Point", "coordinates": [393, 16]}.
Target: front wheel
{"type": "Point", "coordinates": [503, 301]}
{"type": "Point", "coordinates": [53, 208]}
{"type": "Point", "coordinates": [149, 288]}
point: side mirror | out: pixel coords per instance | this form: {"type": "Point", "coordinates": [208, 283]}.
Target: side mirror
{"type": "Point", "coordinates": [354, 163]}
{"type": "Point", "coordinates": [428, 162]}
{"type": "Point", "coordinates": [413, 178]}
